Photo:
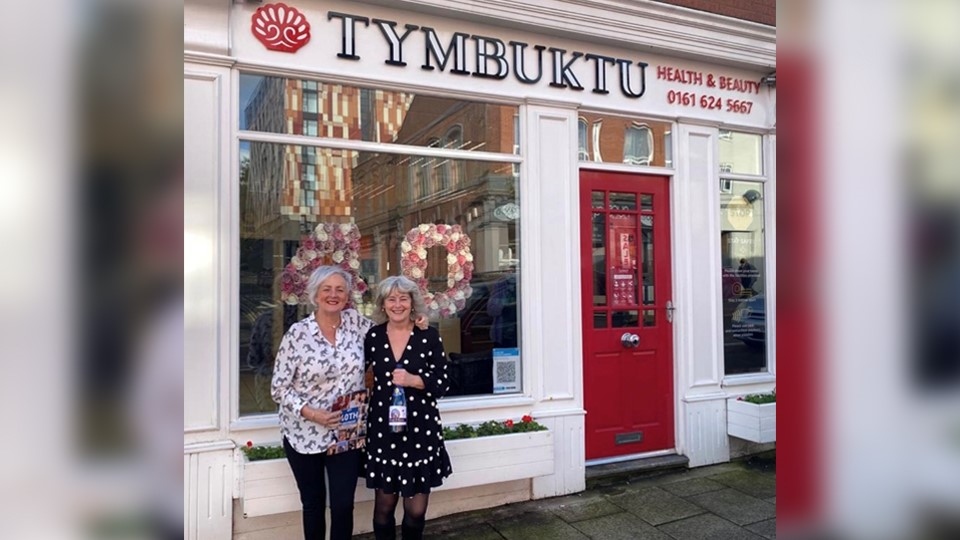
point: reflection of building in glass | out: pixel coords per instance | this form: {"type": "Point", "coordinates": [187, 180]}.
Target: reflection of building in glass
{"type": "Point", "coordinates": [299, 182]}
{"type": "Point", "coordinates": [394, 194]}
{"type": "Point", "coordinates": [265, 169]}
{"type": "Point", "coordinates": [285, 190]}
{"type": "Point", "coordinates": [613, 139]}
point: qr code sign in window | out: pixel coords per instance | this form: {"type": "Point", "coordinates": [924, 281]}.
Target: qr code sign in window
{"type": "Point", "coordinates": [506, 372]}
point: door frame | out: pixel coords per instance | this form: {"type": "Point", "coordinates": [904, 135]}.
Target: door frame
{"type": "Point", "coordinates": [670, 176]}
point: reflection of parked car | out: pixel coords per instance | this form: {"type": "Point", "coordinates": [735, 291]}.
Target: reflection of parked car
{"type": "Point", "coordinates": [484, 318]}
{"type": "Point", "coordinates": [750, 319]}
{"type": "Point", "coordinates": [487, 315]}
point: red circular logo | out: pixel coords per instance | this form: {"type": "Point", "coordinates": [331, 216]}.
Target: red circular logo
{"type": "Point", "coordinates": [280, 27]}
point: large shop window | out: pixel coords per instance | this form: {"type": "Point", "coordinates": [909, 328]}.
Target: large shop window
{"type": "Point", "coordinates": [287, 192]}
{"type": "Point", "coordinates": [614, 139]}
{"type": "Point", "coordinates": [743, 258]}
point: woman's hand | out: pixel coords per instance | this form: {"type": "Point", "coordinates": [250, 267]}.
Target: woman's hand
{"type": "Point", "coordinates": [422, 322]}
{"type": "Point", "coordinates": [327, 419]}
{"type": "Point", "coordinates": [402, 377]}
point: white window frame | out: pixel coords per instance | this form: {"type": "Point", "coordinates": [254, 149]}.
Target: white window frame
{"type": "Point", "coordinates": [269, 421]}
{"type": "Point", "coordinates": [768, 180]}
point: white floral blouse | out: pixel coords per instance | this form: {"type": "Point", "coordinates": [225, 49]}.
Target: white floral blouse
{"type": "Point", "coordinates": [312, 371]}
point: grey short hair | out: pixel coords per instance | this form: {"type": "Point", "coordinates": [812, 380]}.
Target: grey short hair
{"type": "Point", "coordinates": [403, 285]}
{"type": "Point", "coordinates": [321, 274]}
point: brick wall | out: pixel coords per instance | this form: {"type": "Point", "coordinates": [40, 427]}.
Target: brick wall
{"type": "Point", "coordinates": [761, 11]}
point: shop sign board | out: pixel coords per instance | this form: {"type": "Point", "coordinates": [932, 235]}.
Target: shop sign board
{"type": "Point", "coordinates": [350, 40]}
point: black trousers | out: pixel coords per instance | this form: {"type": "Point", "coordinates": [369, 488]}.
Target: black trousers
{"type": "Point", "coordinates": [343, 471]}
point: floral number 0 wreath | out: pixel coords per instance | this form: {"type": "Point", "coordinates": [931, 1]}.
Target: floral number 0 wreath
{"type": "Point", "coordinates": [413, 264]}
{"type": "Point", "coordinates": [341, 241]}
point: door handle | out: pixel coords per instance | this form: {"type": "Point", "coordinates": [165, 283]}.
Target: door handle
{"type": "Point", "coordinates": [670, 310]}
{"type": "Point", "coordinates": [629, 340]}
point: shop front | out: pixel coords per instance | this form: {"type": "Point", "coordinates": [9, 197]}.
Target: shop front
{"type": "Point", "coordinates": [590, 218]}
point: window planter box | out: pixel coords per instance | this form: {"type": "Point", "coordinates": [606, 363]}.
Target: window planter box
{"type": "Point", "coordinates": [752, 422]}
{"type": "Point", "coordinates": [268, 487]}
{"type": "Point", "coordinates": [499, 458]}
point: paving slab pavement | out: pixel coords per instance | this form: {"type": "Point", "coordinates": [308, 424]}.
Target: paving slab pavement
{"type": "Point", "coordinates": [728, 501]}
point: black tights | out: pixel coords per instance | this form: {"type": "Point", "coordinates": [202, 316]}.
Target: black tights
{"type": "Point", "coordinates": [414, 510]}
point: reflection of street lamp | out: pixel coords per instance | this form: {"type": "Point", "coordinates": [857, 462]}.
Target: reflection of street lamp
{"type": "Point", "coordinates": [751, 196]}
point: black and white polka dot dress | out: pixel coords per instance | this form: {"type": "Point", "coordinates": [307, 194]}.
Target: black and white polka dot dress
{"type": "Point", "coordinates": [415, 460]}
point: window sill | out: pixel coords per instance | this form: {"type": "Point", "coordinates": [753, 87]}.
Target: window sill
{"type": "Point", "coordinates": [466, 403]}
{"type": "Point", "coordinates": [473, 403]}
{"type": "Point", "coordinates": [752, 378]}
{"type": "Point", "coordinates": [260, 421]}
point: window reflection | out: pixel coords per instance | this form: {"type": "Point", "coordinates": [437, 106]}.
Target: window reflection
{"type": "Point", "coordinates": [740, 153]}
{"type": "Point", "coordinates": [318, 109]}
{"type": "Point", "coordinates": [638, 145]}
{"type": "Point", "coordinates": [613, 139]}
{"type": "Point", "coordinates": [743, 279]}
{"type": "Point", "coordinates": [283, 197]}
{"type": "Point", "coordinates": [286, 191]}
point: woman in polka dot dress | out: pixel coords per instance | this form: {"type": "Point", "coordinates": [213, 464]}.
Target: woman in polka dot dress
{"type": "Point", "coordinates": [411, 462]}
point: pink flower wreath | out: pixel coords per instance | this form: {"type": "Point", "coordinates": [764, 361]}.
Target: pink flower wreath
{"type": "Point", "coordinates": [341, 241]}
{"type": "Point", "coordinates": [413, 264]}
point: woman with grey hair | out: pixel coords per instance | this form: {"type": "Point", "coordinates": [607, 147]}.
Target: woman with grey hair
{"type": "Point", "coordinates": [410, 462]}
{"type": "Point", "coordinates": [321, 359]}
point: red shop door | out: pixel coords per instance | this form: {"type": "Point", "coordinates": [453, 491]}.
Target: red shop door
{"type": "Point", "coordinates": [627, 339]}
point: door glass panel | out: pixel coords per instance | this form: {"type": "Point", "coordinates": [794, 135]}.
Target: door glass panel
{"type": "Point", "coordinates": [599, 260]}
{"type": "Point", "coordinates": [626, 319]}
{"type": "Point", "coordinates": [646, 202]}
{"type": "Point", "coordinates": [597, 199]}
{"type": "Point", "coordinates": [599, 319]}
{"type": "Point", "coordinates": [623, 201]}
{"type": "Point", "coordinates": [649, 317]}
{"type": "Point", "coordinates": [623, 258]}
{"type": "Point", "coordinates": [646, 234]}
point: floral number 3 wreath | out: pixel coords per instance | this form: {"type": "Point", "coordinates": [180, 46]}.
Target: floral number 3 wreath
{"type": "Point", "coordinates": [341, 241]}
{"type": "Point", "coordinates": [413, 263]}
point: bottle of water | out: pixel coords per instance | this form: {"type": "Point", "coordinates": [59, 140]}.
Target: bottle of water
{"type": "Point", "coordinates": [398, 410]}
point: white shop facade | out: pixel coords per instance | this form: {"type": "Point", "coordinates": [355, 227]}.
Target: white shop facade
{"type": "Point", "coordinates": [613, 167]}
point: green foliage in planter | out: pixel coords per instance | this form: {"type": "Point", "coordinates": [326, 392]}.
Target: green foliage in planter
{"type": "Point", "coordinates": [760, 399]}
{"type": "Point", "coordinates": [491, 427]}
{"type": "Point", "coordinates": [258, 453]}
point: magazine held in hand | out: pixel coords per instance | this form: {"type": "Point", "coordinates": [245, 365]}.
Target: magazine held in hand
{"type": "Point", "coordinates": [352, 431]}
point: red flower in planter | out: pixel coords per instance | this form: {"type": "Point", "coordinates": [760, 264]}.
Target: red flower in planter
{"type": "Point", "coordinates": [526, 419]}
{"type": "Point", "coordinates": [508, 423]}
{"type": "Point", "coordinates": [249, 444]}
